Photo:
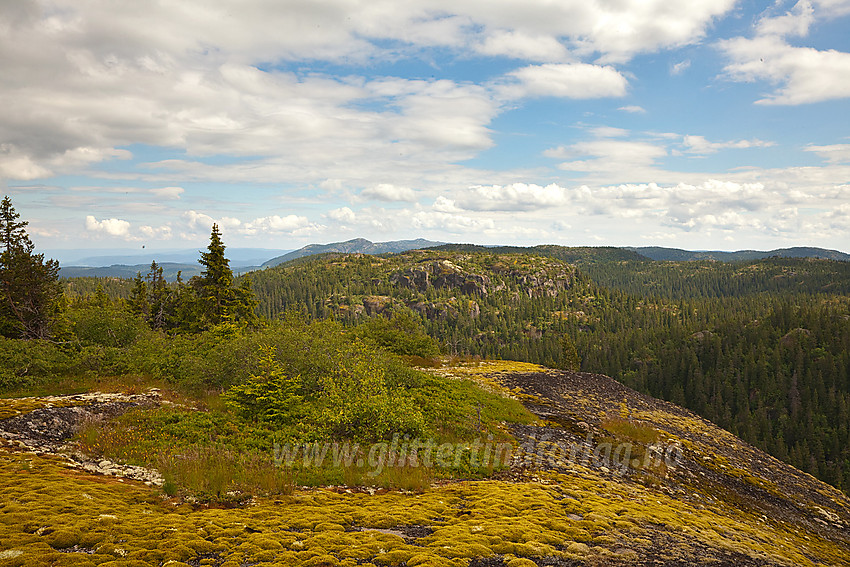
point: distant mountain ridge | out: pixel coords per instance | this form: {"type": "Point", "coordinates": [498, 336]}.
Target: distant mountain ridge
{"type": "Point", "coordinates": [579, 255]}
{"type": "Point", "coordinates": [239, 257]}
{"type": "Point", "coordinates": [243, 260]}
{"type": "Point", "coordinates": [354, 246]}
{"type": "Point", "coordinates": [169, 271]}
{"type": "Point", "coordinates": [679, 255]}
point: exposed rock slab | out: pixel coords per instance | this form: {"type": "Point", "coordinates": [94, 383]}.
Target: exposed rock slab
{"type": "Point", "coordinates": [50, 429]}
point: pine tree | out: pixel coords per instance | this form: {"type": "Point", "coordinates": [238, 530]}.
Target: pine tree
{"type": "Point", "coordinates": [160, 298]}
{"type": "Point", "coordinates": [217, 301]}
{"type": "Point", "coordinates": [29, 285]}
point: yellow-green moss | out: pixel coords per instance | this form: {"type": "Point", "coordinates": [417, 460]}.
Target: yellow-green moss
{"type": "Point", "coordinates": [128, 523]}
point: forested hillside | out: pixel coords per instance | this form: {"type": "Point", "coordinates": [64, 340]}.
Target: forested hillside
{"type": "Point", "coordinates": [761, 348]}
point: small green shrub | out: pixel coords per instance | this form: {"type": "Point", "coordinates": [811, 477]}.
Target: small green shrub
{"type": "Point", "coordinates": [272, 395]}
{"type": "Point", "coordinates": [357, 402]}
{"type": "Point", "coordinates": [25, 363]}
{"type": "Point", "coordinates": [105, 325]}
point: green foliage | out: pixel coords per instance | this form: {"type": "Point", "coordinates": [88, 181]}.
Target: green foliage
{"type": "Point", "coordinates": [29, 288]}
{"type": "Point", "coordinates": [29, 363]}
{"type": "Point", "coordinates": [717, 338]}
{"type": "Point", "coordinates": [350, 391]}
{"type": "Point", "coordinates": [80, 288]}
{"type": "Point", "coordinates": [571, 360]}
{"type": "Point", "coordinates": [492, 304]}
{"type": "Point", "coordinates": [401, 334]}
{"type": "Point", "coordinates": [271, 395]}
{"type": "Point", "coordinates": [707, 279]}
{"type": "Point", "coordinates": [207, 301]}
{"type": "Point", "coordinates": [356, 401]}
{"type": "Point", "coordinates": [759, 347]}
{"type": "Point", "coordinates": [216, 300]}
{"type": "Point", "coordinates": [99, 322]}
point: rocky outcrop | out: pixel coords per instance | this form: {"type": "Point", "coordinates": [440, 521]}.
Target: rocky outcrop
{"type": "Point", "coordinates": [376, 304]}
{"type": "Point", "coordinates": [441, 274]}
{"type": "Point", "coordinates": [542, 284]}
{"type": "Point", "coordinates": [50, 429]}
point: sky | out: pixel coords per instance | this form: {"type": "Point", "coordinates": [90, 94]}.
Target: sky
{"type": "Point", "coordinates": [706, 124]}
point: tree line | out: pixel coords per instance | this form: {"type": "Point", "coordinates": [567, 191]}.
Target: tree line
{"type": "Point", "coordinates": [32, 300]}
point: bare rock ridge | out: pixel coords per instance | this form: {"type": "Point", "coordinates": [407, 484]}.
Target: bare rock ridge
{"type": "Point", "coordinates": [709, 469]}
{"type": "Point", "coordinates": [48, 430]}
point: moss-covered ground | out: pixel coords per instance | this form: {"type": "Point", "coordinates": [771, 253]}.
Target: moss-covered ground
{"type": "Point", "coordinates": [52, 516]}
{"type": "Point", "coordinates": [714, 505]}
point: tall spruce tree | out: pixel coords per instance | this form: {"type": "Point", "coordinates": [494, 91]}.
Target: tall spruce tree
{"type": "Point", "coordinates": [217, 300]}
{"type": "Point", "coordinates": [29, 284]}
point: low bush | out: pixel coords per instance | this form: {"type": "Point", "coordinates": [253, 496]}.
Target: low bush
{"type": "Point", "coordinates": [401, 334]}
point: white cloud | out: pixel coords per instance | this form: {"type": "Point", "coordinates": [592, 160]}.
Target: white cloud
{"type": "Point", "coordinates": [445, 205]}
{"type": "Point", "coordinates": [168, 192]}
{"type": "Point", "coordinates": [577, 80]}
{"type": "Point", "coordinates": [433, 220]}
{"type": "Point", "coordinates": [608, 132]}
{"type": "Point", "coordinates": [711, 204]}
{"type": "Point", "coordinates": [839, 218]}
{"type": "Point", "coordinates": [156, 232]}
{"type": "Point", "coordinates": [234, 97]}
{"type": "Point", "coordinates": [513, 197]}
{"type": "Point", "coordinates": [452, 223]}
{"type": "Point", "coordinates": [835, 153]}
{"type": "Point", "coordinates": [389, 192]}
{"type": "Point", "coordinates": [615, 157]}
{"type": "Point", "coordinates": [112, 227]}
{"type": "Point", "coordinates": [834, 8]}
{"type": "Point", "coordinates": [292, 224]}
{"type": "Point", "coordinates": [229, 222]}
{"type": "Point", "coordinates": [615, 31]}
{"type": "Point", "coordinates": [633, 109]}
{"type": "Point", "coordinates": [204, 79]}
{"type": "Point", "coordinates": [522, 45]}
{"type": "Point", "coordinates": [802, 74]}
{"type": "Point", "coordinates": [805, 74]}
{"type": "Point", "coordinates": [622, 30]}
{"type": "Point", "coordinates": [727, 220]}
{"type": "Point", "coordinates": [680, 67]}
{"type": "Point", "coordinates": [699, 145]}
{"type": "Point", "coordinates": [342, 215]}
{"type": "Point", "coordinates": [795, 22]}
{"type": "Point", "coordinates": [196, 220]}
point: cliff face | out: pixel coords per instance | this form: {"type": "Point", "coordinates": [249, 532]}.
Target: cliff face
{"type": "Point", "coordinates": [445, 285]}
{"type": "Point", "coordinates": [545, 279]}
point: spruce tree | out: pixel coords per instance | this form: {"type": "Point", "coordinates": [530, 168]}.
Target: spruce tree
{"type": "Point", "coordinates": [138, 302]}
{"type": "Point", "coordinates": [29, 285]}
{"type": "Point", "coordinates": [214, 287]}
{"type": "Point", "coordinates": [217, 301]}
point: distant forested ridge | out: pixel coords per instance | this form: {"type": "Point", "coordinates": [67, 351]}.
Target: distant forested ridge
{"type": "Point", "coordinates": [354, 246]}
{"type": "Point", "coordinates": [761, 348]}
{"type": "Point", "coordinates": [679, 255]}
